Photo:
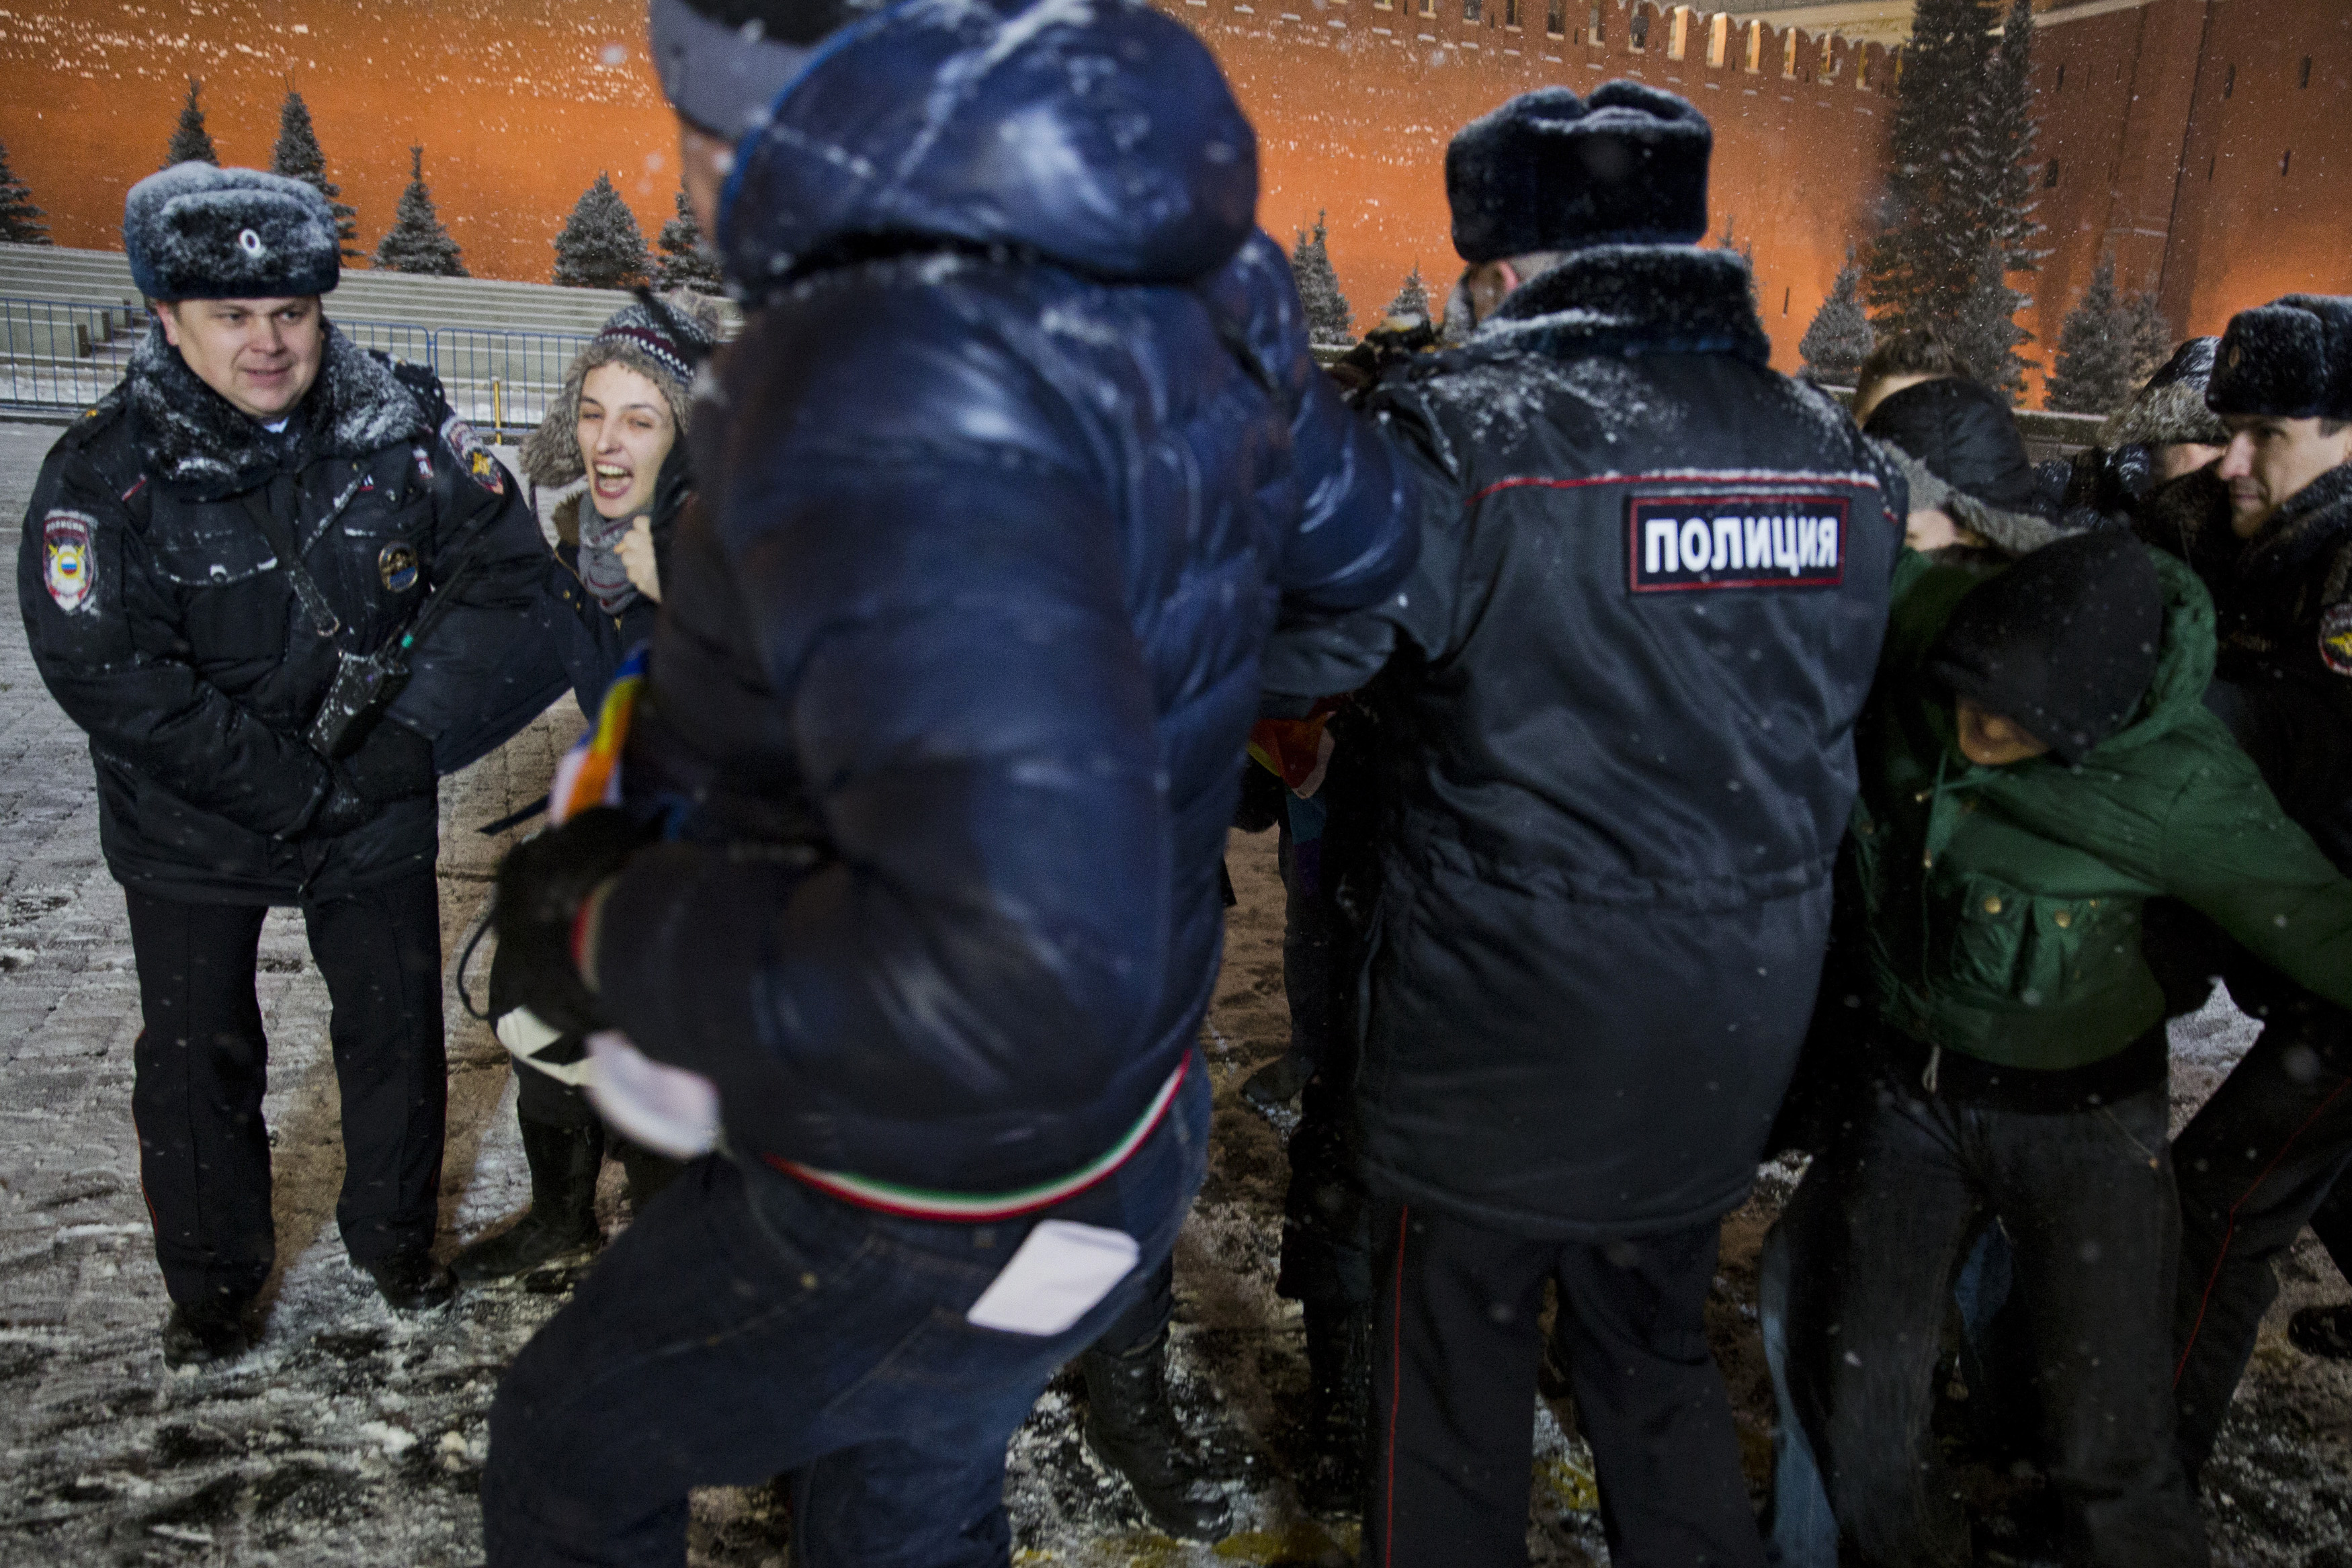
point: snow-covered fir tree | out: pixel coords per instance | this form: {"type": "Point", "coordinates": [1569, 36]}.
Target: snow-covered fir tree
{"type": "Point", "coordinates": [2095, 373]}
{"type": "Point", "coordinates": [417, 241]}
{"type": "Point", "coordinates": [2002, 173]}
{"type": "Point", "coordinates": [1839, 338]}
{"type": "Point", "coordinates": [1922, 267]}
{"type": "Point", "coordinates": [191, 142]}
{"type": "Point", "coordinates": [20, 221]}
{"type": "Point", "coordinates": [601, 245]}
{"type": "Point", "coordinates": [299, 156]}
{"type": "Point", "coordinates": [2002, 138]}
{"type": "Point", "coordinates": [1413, 299]}
{"type": "Point", "coordinates": [2148, 335]}
{"type": "Point", "coordinates": [1986, 336]}
{"type": "Point", "coordinates": [1328, 319]}
{"type": "Point", "coordinates": [684, 263]}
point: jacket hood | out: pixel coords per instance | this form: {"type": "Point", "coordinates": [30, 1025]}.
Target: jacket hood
{"type": "Point", "coordinates": [1097, 134]}
{"type": "Point", "coordinates": [2064, 643]}
{"type": "Point", "coordinates": [1965, 432]}
{"type": "Point", "coordinates": [2184, 660]}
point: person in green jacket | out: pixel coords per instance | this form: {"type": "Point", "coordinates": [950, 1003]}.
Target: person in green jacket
{"type": "Point", "coordinates": [2036, 764]}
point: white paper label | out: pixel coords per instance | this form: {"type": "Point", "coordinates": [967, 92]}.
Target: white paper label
{"type": "Point", "coordinates": [1060, 1274]}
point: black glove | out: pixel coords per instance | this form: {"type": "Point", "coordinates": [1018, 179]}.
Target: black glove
{"type": "Point", "coordinates": [542, 885]}
{"type": "Point", "coordinates": [342, 809]}
{"type": "Point", "coordinates": [394, 763]}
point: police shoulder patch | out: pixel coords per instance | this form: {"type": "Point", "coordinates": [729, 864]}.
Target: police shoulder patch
{"type": "Point", "coordinates": [473, 454]}
{"type": "Point", "coordinates": [69, 565]}
{"type": "Point", "coordinates": [2336, 638]}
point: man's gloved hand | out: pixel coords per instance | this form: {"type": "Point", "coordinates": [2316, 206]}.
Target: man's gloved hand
{"type": "Point", "coordinates": [394, 763]}
{"type": "Point", "coordinates": [542, 886]}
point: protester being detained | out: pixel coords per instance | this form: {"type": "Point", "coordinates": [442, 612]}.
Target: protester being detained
{"type": "Point", "coordinates": [2036, 763]}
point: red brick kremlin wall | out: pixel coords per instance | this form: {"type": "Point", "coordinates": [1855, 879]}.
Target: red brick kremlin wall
{"type": "Point", "coordinates": [519, 105]}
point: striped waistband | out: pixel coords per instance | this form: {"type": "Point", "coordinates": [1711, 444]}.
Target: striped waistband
{"type": "Point", "coordinates": [919, 1202]}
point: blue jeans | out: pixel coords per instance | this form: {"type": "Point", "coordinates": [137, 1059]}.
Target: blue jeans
{"type": "Point", "coordinates": [1801, 1532]}
{"type": "Point", "coordinates": [747, 1326]}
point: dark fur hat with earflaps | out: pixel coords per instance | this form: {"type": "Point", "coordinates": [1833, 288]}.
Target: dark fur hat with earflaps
{"type": "Point", "coordinates": [196, 232]}
{"type": "Point", "coordinates": [2290, 358]}
{"type": "Point", "coordinates": [660, 337]}
{"type": "Point", "coordinates": [1551, 171]}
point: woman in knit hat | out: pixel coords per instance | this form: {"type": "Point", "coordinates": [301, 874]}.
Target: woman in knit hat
{"type": "Point", "coordinates": [620, 424]}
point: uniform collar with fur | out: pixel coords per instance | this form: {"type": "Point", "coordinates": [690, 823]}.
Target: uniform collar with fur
{"type": "Point", "coordinates": [196, 440]}
{"type": "Point", "coordinates": [1630, 299]}
{"type": "Point", "coordinates": [2310, 520]}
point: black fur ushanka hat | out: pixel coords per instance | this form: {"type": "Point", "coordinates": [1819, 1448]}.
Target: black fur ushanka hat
{"type": "Point", "coordinates": [197, 232]}
{"type": "Point", "coordinates": [2290, 358]}
{"type": "Point", "coordinates": [1550, 171]}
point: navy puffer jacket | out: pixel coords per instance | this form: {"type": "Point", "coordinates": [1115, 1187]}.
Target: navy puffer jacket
{"type": "Point", "coordinates": [1006, 482]}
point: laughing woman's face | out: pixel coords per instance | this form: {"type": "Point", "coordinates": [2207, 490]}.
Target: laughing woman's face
{"type": "Point", "coordinates": [625, 431]}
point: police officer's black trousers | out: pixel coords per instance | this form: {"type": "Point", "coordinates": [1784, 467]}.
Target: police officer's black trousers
{"type": "Point", "coordinates": [1455, 1346]}
{"type": "Point", "coordinates": [202, 1065]}
{"type": "Point", "coordinates": [2256, 1165]}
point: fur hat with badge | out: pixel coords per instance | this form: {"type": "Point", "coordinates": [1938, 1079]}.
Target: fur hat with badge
{"type": "Point", "coordinates": [2290, 358]}
{"type": "Point", "coordinates": [661, 338]}
{"type": "Point", "coordinates": [197, 232]}
{"type": "Point", "coordinates": [1551, 171]}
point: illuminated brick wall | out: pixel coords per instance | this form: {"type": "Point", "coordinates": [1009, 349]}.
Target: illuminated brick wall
{"type": "Point", "coordinates": [520, 105]}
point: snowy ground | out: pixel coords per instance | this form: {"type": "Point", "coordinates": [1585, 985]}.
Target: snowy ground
{"type": "Point", "coordinates": [354, 1436]}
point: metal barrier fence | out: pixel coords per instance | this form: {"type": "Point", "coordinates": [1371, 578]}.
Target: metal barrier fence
{"type": "Point", "coordinates": [55, 355]}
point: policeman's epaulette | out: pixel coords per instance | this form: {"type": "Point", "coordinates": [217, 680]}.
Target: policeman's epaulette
{"type": "Point", "coordinates": [424, 384]}
{"type": "Point", "coordinates": [2337, 587]}
{"type": "Point", "coordinates": [95, 420]}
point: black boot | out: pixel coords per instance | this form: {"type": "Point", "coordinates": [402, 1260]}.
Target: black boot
{"type": "Point", "coordinates": [560, 1230]}
{"type": "Point", "coordinates": [1130, 1430]}
{"type": "Point", "coordinates": [218, 1328]}
{"type": "Point", "coordinates": [1340, 1407]}
{"type": "Point", "coordinates": [411, 1281]}
{"type": "Point", "coordinates": [2323, 1330]}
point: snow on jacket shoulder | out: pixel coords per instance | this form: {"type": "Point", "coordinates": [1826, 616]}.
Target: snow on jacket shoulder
{"type": "Point", "coordinates": [1622, 680]}
{"type": "Point", "coordinates": [1003, 488]}
{"type": "Point", "coordinates": [2002, 905]}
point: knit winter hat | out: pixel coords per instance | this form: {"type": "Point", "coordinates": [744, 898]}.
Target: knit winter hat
{"type": "Point", "coordinates": [2171, 407]}
{"type": "Point", "coordinates": [2064, 643]}
{"type": "Point", "coordinates": [197, 232]}
{"type": "Point", "coordinates": [1548, 171]}
{"type": "Point", "coordinates": [2290, 358]}
{"type": "Point", "coordinates": [722, 62]}
{"type": "Point", "coordinates": [661, 338]}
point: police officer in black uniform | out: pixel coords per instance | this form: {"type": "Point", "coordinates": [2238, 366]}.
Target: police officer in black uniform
{"type": "Point", "coordinates": [260, 505]}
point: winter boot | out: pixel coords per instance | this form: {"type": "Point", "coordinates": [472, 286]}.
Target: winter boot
{"type": "Point", "coordinates": [217, 1328]}
{"type": "Point", "coordinates": [1132, 1432]}
{"type": "Point", "coordinates": [411, 1281]}
{"type": "Point", "coordinates": [1340, 1407]}
{"type": "Point", "coordinates": [560, 1230]}
{"type": "Point", "coordinates": [2323, 1330]}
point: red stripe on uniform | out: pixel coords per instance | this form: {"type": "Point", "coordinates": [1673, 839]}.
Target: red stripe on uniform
{"type": "Point", "coordinates": [2231, 1231]}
